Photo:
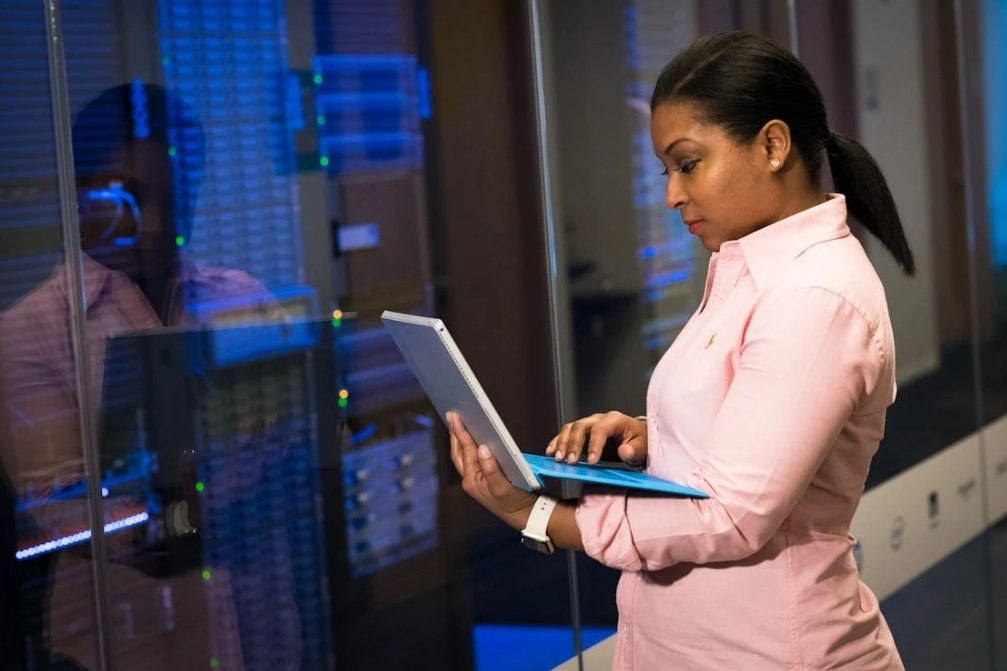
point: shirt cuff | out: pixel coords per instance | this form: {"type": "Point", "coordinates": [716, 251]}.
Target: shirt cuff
{"type": "Point", "coordinates": [605, 530]}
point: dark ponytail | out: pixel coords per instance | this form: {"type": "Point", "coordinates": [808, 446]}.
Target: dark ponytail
{"type": "Point", "coordinates": [857, 175]}
{"type": "Point", "coordinates": [740, 81]}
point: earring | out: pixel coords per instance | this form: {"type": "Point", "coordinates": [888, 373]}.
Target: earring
{"type": "Point", "coordinates": [775, 163]}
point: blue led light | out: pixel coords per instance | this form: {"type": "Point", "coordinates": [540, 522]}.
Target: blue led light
{"type": "Point", "coordinates": [364, 433]}
{"type": "Point", "coordinates": [141, 119]}
{"type": "Point", "coordinates": [81, 537]}
{"type": "Point", "coordinates": [423, 90]}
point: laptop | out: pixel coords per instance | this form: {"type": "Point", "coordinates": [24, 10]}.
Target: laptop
{"type": "Point", "coordinates": [449, 382]}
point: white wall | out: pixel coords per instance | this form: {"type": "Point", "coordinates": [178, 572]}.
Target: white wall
{"type": "Point", "coordinates": [890, 93]}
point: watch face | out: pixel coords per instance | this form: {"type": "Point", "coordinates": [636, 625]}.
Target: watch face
{"type": "Point", "coordinates": [540, 546]}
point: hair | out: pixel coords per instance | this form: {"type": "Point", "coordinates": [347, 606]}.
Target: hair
{"type": "Point", "coordinates": [118, 116]}
{"type": "Point", "coordinates": [741, 81]}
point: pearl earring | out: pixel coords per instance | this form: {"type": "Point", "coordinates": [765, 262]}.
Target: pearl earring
{"type": "Point", "coordinates": [775, 163]}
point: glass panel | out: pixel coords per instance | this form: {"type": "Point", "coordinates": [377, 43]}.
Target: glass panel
{"type": "Point", "coordinates": [632, 293]}
{"type": "Point", "coordinates": [987, 27]}
{"type": "Point", "coordinates": [925, 496]}
{"type": "Point", "coordinates": [49, 613]}
{"type": "Point", "coordinates": [220, 447]}
{"type": "Point", "coordinates": [256, 185]}
{"type": "Point", "coordinates": [631, 289]}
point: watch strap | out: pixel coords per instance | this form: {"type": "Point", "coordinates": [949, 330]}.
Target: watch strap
{"type": "Point", "coordinates": [537, 527]}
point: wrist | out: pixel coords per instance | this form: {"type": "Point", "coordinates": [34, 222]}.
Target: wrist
{"type": "Point", "coordinates": [518, 519]}
{"type": "Point", "coordinates": [535, 535]}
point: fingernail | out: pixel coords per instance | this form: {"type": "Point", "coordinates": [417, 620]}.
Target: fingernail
{"type": "Point", "coordinates": [484, 452]}
{"type": "Point", "coordinates": [572, 459]}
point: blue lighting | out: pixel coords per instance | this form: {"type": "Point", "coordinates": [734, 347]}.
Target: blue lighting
{"type": "Point", "coordinates": [78, 538]}
{"type": "Point", "coordinates": [664, 279]}
{"type": "Point", "coordinates": [509, 647]}
{"type": "Point", "coordinates": [141, 119]}
{"type": "Point", "coordinates": [423, 89]}
{"type": "Point", "coordinates": [364, 433]}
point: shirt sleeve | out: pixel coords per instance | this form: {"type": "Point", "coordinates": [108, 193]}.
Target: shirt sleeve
{"type": "Point", "coordinates": [808, 360]}
{"type": "Point", "coordinates": [39, 421]}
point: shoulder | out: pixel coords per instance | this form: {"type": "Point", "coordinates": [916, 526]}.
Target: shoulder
{"type": "Point", "coordinates": [230, 295]}
{"type": "Point", "coordinates": [838, 271]}
{"type": "Point", "coordinates": [211, 284]}
{"type": "Point", "coordinates": [33, 328]}
{"type": "Point", "coordinates": [39, 305]}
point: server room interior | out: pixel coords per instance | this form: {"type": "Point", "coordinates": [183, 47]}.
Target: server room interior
{"type": "Point", "coordinates": [385, 154]}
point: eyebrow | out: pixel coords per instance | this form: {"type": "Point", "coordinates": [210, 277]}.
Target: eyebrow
{"type": "Point", "coordinates": [672, 145]}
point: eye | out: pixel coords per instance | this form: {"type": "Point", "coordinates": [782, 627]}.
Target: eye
{"type": "Point", "coordinates": [688, 166]}
{"type": "Point", "coordinates": [664, 173]}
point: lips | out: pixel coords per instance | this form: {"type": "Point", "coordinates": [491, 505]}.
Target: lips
{"type": "Point", "coordinates": [693, 225]}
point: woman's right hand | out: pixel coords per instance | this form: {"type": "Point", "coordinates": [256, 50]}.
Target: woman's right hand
{"type": "Point", "coordinates": [601, 435]}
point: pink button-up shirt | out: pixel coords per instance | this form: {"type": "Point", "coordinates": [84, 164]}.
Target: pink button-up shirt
{"type": "Point", "coordinates": [773, 401]}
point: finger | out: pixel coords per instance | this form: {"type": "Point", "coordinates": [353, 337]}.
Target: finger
{"type": "Point", "coordinates": [462, 433]}
{"type": "Point", "coordinates": [632, 454]}
{"type": "Point", "coordinates": [470, 461]}
{"type": "Point", "coordinates": [496, 482]}
{"type": "Point", "coordinates": [551, 447]}
{"type": "Point", "coordinates": [576, 440]}
{"type": "Point", "coordinates": [596, 443]}
{"type": "Point", "coordinates": [456, 443]}
{"type": "Point", "coordinates": [561, 441]}
{"type": "Point", "coordinates": [456, 455]}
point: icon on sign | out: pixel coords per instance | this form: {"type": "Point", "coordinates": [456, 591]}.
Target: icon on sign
{"type": "Point", "coordinates": [898, 533]}
{"type": "Point", "coordinates": [967, 489]}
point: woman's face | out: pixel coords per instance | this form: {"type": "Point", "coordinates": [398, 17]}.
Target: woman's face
{"type": "Point", "coordinates": [723, 189]}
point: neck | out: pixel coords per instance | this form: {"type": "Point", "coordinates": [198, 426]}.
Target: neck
{"type": "Point", "coordinates": [802, 200]}
{"type": "Point", "coordinates": [158, 284]}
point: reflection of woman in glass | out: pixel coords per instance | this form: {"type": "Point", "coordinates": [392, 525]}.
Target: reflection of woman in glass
{"type": "Point", "coordinates": [136, 208]}
{"type": "Point", "coordinates": [772, 399]}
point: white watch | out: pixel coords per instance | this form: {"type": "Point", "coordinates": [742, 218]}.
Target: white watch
{"type": "Point", "coordinates": [535, 534]}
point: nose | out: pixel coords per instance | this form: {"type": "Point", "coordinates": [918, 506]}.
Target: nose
{"type": "Point", "coordinates": [674, 195]}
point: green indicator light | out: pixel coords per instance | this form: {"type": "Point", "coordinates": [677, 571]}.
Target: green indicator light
{"type": "Point", "coordinates": [206, 575]}
{"type": "Point", "coordinates": [200, 486]}
{"type": "Point", "coordinates": [165, 60]}
{"type": "Point", "coordinates": [318, 79]}
{"type": "Point", "coordinates": [172, 151]}
{"type": "Point", "coordinates": [324, 161]}
{"type": "Point", "coordinates": [337, 322]}
{"type": "Point", "coordinates": [180, 241]}
{"type": "Point", "coordinates": [343, 403]}
{"type": "Point", "coordinates": [213, 662]}
{"type": "Point", "coordinates": [320, 120]}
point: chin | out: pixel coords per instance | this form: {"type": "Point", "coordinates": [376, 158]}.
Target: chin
{"type": "Point", "coordinates": [711, 246]}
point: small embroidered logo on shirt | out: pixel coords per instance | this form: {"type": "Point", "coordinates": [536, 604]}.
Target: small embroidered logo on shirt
{"type": "Point", "coordinates": [710, 341]}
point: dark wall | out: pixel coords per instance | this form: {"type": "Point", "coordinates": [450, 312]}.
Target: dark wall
{"type": "Point", "coordinates": [487, 220]}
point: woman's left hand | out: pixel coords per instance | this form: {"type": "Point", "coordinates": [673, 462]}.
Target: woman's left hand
{"type": "Point", "coordinates": [483, 480]}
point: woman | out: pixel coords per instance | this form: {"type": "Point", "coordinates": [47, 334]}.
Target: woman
{"type": "Point", "coordinates": [772, 400]}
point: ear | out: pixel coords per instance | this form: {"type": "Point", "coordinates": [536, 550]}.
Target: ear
{"type": "Point", "coordinates": [774, 141]}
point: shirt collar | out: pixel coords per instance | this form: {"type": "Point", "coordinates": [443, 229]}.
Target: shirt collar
{"type": "Point", "coordinates": [767, 250]}
{"type": "Point", "coordinates": [96, 280]}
